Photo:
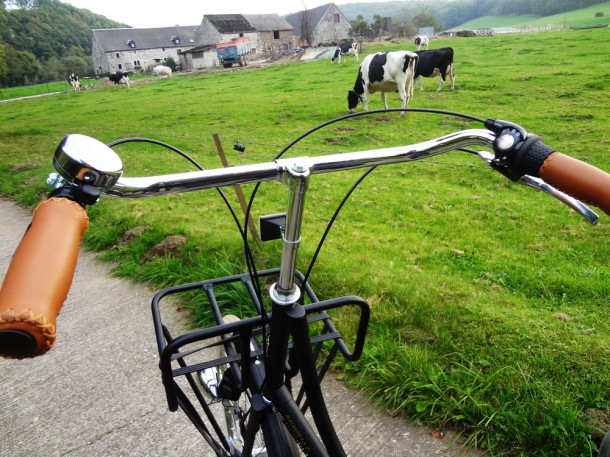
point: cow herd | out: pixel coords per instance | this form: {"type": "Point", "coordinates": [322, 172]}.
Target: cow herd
{"type": "Point", "coordinates": [398, 71]}
{"type": "Point", "coordinates": [395, 71]}
{"type": "Point", "coordinates": [122, 77]}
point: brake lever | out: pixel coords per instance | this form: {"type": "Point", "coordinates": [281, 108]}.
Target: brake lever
{"type": "Point", "coordinates": [591, 216]}
{"type": "Point", "coordinates": [576, 205]}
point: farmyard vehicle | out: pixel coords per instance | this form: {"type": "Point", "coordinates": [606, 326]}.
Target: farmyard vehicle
{"type": "Point", "coordinates": [254, 361]}
{"type": "Point", "coordinates": [234, 52]}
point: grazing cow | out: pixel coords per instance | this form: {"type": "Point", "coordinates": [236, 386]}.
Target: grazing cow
{"type": "Point", "coordinates": [384, 72]}
{"type": "Point", "coordinates": [344, 49]}
{"type": "Point", "coordinates": [119, 77]}
{"type": "Point", "coordinates": [162, 71]}
{"type": "Point", "coordinates": [421, 40]}
{"type": "Point", "coordinates": [436, 62]}
{"type": "Point", "coordinates": [74, 82]}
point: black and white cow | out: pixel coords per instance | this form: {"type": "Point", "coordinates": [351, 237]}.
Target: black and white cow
{"type": "Point", "coordinates": [422, 40]}
{"type": "Point", "coordinates": [74, 82]}
{"type": "Point", "coordinates": [384, 72]}
{"type": "Point", "coordinates": [344, 49]}
{"type": "Point", "coordinates": [121, 77]}
{"type": "Point", "coordinates": [436, 62]}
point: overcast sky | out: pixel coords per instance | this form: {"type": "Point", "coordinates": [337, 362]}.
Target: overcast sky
{"type": "Point", "coordinates": [158, 13]}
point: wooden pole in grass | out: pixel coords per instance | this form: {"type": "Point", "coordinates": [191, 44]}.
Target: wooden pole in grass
{"type": "Point", "coordinates": [238, 191]}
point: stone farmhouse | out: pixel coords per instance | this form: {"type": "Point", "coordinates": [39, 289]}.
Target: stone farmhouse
{"type": "Point", "coordinates": [324, 25]}
{"type": "Point", "coordinates": [193, 47]}
{"type": "Point", "coordinates": [271, 37]}
{"type": "Point", "coordinates": [130, 49]}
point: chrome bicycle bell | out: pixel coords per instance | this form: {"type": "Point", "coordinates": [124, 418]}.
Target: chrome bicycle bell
{"type": "Point", "coordinates": [80, 158]}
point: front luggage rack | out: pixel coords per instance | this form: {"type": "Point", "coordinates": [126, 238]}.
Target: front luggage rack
{"type": "Point", "coordinates": [193, 358]}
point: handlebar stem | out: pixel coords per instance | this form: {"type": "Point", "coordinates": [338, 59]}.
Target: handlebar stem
{"type": "Point", "coordinates": [296, 176]}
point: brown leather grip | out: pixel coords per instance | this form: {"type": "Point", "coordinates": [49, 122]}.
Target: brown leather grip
{"type": "Point", "coordinates": [39, 277]}
{"type": "Point", "coordinates": [577, 179]}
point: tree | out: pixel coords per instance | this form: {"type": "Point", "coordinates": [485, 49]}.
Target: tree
{"type": "Point", "coordinates": [377, 26]}
{"type": "Point", "coordinates": [360, 28]}
{"type": "Point", "coordinates": [23, 68]}
{"type": "Point", "coordinates": [3, 65]}
{"type": "Point", "coordinates": [171, 63]}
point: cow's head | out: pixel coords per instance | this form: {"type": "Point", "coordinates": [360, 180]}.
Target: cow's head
{"type": "Point", "coordinates": [353, 98]}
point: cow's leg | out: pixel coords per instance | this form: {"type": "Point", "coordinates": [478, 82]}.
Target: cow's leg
{"type": "Point", "coordinates": [384, 100]}
{"type": "Point", "coordinates": [421, 86]}
{"type": "Point", "coordinates": [404, 98]}
{"type": "Point", "coordinates": [440, 86]}
{"type": "Point", "coordinates": [452, 76]}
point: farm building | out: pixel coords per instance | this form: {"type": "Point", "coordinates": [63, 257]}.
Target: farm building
{"type": "Point", "coordinates": [132, 49]}
{"type": "Point", "coordinates": [271, 35]}
{"type": "Point", "coordinates": [321, 26]}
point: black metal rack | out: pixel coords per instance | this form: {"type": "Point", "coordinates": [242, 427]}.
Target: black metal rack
{"type": "Point", "coordinates": [182, 357]}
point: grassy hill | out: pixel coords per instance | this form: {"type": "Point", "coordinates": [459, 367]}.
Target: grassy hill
{"type": "Point", "coordinates": [578, 18]}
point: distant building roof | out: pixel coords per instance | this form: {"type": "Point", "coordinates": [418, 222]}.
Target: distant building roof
{"type": "Point", "coordinates": [230, 23]}
{"type": "Point", "coordinates": [152, 38]}
{"type": "Point", "coordinates": [314, 16]}
{"type": "Point", "coordinates": [267, 22]}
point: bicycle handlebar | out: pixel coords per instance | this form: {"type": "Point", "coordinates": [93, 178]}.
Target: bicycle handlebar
{"type": "Point", "coordinates": [41, 271]}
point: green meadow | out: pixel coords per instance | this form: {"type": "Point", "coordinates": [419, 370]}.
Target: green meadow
{"type": "Point", "coordinates": [490, 300]}
{"type": "Point", "coordinates": [593, 15]}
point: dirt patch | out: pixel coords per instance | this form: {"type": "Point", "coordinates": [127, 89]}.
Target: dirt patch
{"type": "Point", "coordinates": [598, 420]}
{"type": "Point", "coordinates": [169, 246]}
{"type": "Point", "coordinates": [24, 166]}
{"type": "Point", "coordinates": [131, 235]}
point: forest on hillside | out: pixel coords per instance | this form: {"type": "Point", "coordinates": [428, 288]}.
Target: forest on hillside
{"type": "Point", "coordinates": [41, 40]}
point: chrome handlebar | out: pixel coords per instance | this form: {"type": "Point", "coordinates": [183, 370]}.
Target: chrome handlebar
{"type": "Point", "coordinates": [83, 159]}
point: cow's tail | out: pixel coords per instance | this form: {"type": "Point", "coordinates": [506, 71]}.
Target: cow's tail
{"type": "Point", "coordinates": [410, 73]}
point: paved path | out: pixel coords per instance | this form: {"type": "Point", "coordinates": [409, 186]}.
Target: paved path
{"type": "Point", "coordinates": [99, 393]}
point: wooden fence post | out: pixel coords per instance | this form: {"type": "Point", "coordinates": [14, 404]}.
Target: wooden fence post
{"type": "Point", "coordinates": [238, 191]}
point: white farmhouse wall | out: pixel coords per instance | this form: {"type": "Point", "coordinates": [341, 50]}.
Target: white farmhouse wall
{"type": "Point", "coordinates": [332, 28]}
{"type": "Point", "coordinates": [134, 60]}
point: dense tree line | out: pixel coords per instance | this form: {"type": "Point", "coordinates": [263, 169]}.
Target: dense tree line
{"type": "Point", "coordinates": [45, 40]}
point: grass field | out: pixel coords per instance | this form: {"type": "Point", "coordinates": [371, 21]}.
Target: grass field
{"type": "Point", "coordinates": [579, 18]}
{"type": "Point", "coordinates": [490, 309]}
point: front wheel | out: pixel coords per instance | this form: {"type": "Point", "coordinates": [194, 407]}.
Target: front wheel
{"type": "Point", "coordinates": [272, 439]}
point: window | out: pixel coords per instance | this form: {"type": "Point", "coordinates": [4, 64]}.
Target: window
{"type": "Point", "coordinates": [120, 67]}
{"type": "Point", "coordinates": [276, 34]}
{"type": "Point", "coordinates": [117, 55]}
{"type": "Point", "coordinates": [175, 40]}
{"type": "Point", "coordinates": [131, 44]}
{"type": "Point", "coordinates": [136, 63]}
{"type": "Point", "coordinates": [336, 18]}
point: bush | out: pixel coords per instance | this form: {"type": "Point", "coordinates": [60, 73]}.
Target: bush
{"type": "Point", "coordinates": [599, 14]}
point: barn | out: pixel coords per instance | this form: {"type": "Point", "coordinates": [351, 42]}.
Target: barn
{"type": "Point", "coordinates": [129, 49]}
{"type": "Point", "coordinates": [271, 36]}
{"type": "Point", "coordinates": [324, 25]}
